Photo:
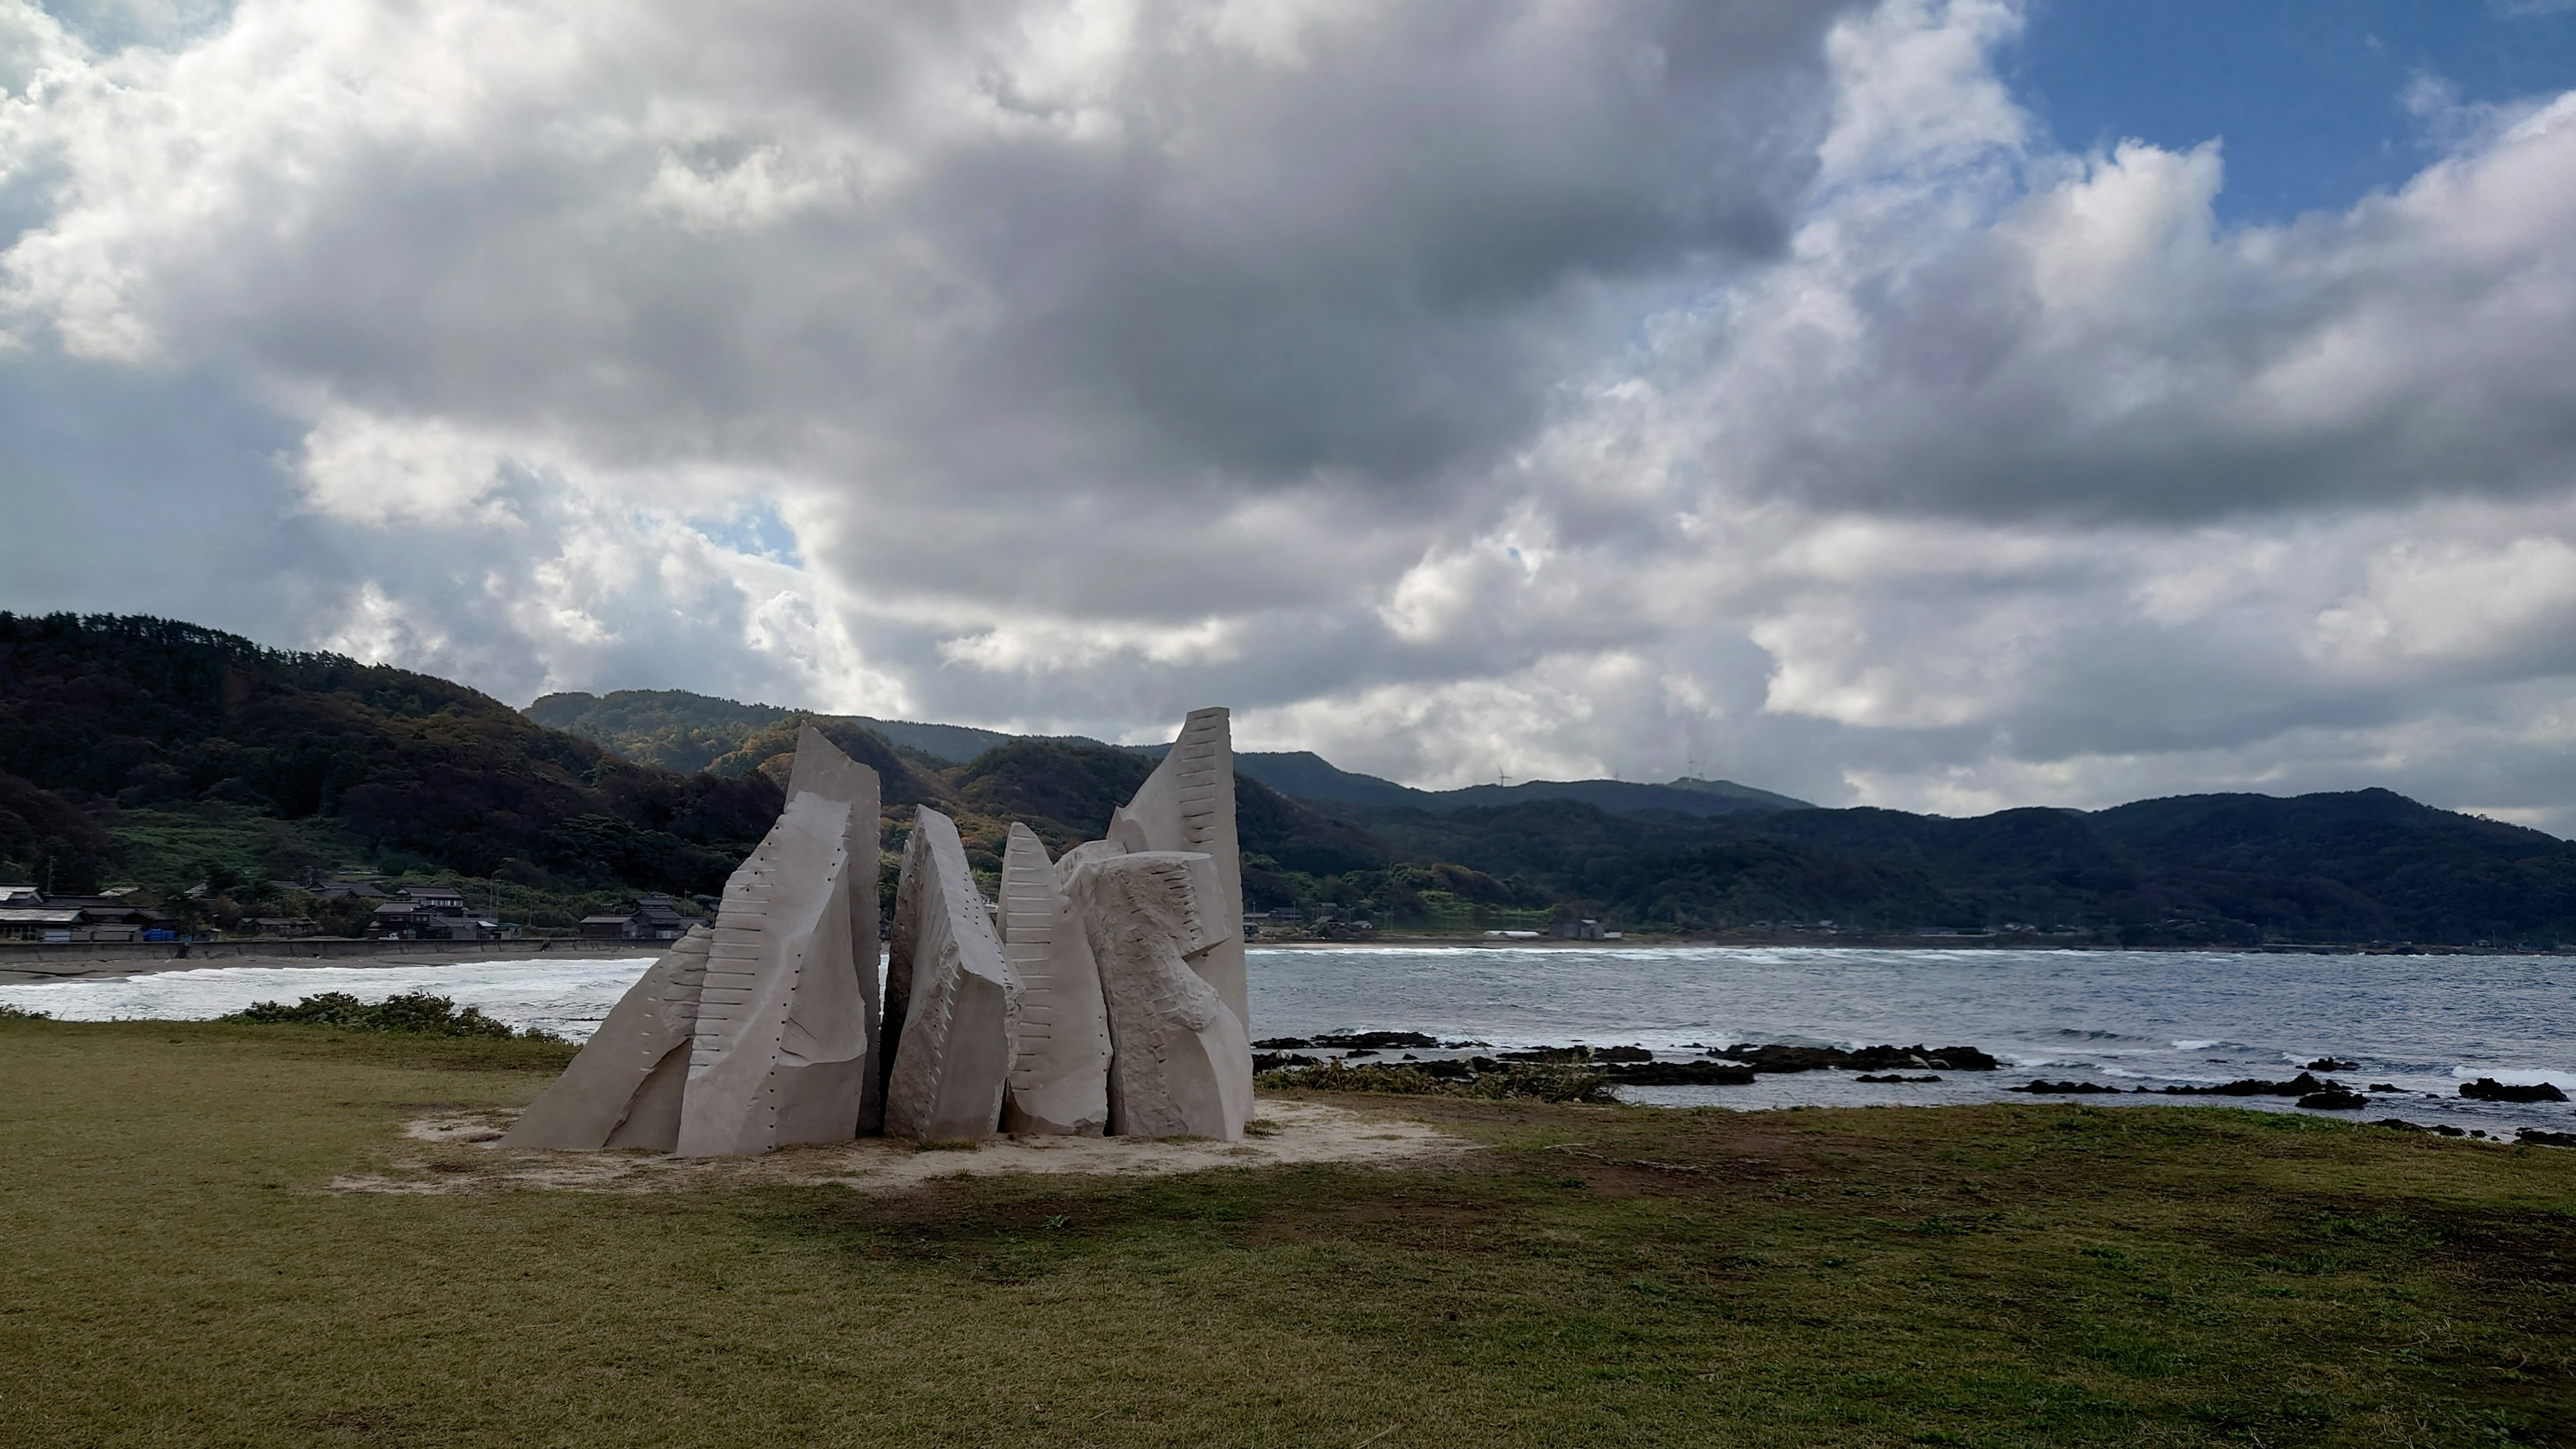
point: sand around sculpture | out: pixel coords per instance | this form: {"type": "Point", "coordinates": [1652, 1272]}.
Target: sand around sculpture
{"type": "Point", "coordinates": [463, 1152]}
{"type": "Point", "coordinates": [1103, 992]}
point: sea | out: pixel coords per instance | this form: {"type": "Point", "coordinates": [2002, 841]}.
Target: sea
{"type": "Point", "coordinates": [2419, 1026]}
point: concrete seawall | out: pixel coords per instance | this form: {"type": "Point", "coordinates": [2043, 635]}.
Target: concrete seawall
{"type": "Point", "coordinates": [74, 960]}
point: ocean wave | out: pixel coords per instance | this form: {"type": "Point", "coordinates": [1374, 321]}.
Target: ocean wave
{"type": "Point", "coordinates": [2518, 1076]}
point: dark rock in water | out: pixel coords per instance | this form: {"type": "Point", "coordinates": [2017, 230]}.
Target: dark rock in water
{"type": "Point", "coordinates": [2061, 1089]}
{"type": "Point", "coordinates": [2333, 1064]}
{"type": "Point", "coordinates": [2298, 1086]}
{"type": "Point", "coordinates": [2335, 1099]}
{"type": "Point", "coordinates": [2488, 1089]}
{"type": "Point", "coordinates": [2396, 1124]}
{"type": "Point", "coordinates": [1948, 1058]}
{"type": "Point", "coordinates": [1786, 1058]}
{"type": "Point", "coordinates": [1550, 1054]}
{"type": "Point", "coordinates": [1373, 1040]}
{"type": "Point", "coordinates": [1281, 1044]}
{"type": "Point", "coordinates": [1460, 1046]}
{"type": "Point", "coordinates": [1445, 1071]}
{"type": "Point", "coordinates": [2447, 1130]}
{"type": "Point", "coordinates": [1893, 1077]}
{"type": "Point", "coordinates": [1274, 1061]}
{"type": "Point", "coordinates": [1624, 1054]}
{"type": "Point", "coordinates": [1484, 1064]}
{"type": "Point", "coordinates": [2539, 1138]}
{"type": "Point", "coordinates": [1778, 1058]}
{"type": "Point", "coordinates": [2384, 1086]}
{"type": "Point", "coordinates": [1680, 1074]}
{"type": "Point", "coordinates": [1355, 1056]}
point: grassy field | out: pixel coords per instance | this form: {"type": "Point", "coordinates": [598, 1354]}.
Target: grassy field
{"type": "Point", "coordinates": [173, 1271]}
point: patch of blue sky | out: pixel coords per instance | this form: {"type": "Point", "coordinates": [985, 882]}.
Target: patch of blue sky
{"type": "Point", "coordinates": [2310, 99]}
{"type": "Point", "coordinates": [756, 530]}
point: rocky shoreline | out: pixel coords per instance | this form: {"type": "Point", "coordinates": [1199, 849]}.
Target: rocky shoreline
{"type": "Point", "coordinates": [1737, 1065]}
{"type": "Point", "coordinates": [1744, 1063]}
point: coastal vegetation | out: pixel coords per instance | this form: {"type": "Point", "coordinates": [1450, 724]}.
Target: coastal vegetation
{"type": "Point", "coordinates": [413, 1013]}
{"type": "Point", "coordinates": [176, 1268]}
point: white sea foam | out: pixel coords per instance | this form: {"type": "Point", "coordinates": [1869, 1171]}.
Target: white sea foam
{"type": "Point", "coordinates": [565, 997]}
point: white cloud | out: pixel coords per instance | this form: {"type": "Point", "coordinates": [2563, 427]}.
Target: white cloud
{"type": "Point", "coordinates": [1458, 389]}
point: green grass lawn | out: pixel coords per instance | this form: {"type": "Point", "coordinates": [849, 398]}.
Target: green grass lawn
{"type": "Point", "coordinates": [173, 1271]}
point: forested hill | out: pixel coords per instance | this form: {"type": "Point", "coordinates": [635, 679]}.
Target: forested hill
{"type": "Point", "coordinates": [103, 718]}
{"type": "Point", "coordinates": [130, 746]}
{"type": "Point", "coordinates": [2359, 866]}
{"type": "Point", "coordinates": [686, 731]}
{"type": "Point", "coordinates": [153, 751]}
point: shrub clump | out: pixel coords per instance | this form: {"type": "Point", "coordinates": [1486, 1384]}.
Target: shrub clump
{"type": "Point", "coordinates": [22, 1013]}
{"type": "Point", "coordinates": [1546, 1082]}
{"type": "Point", "coordinates": [416, 1014]}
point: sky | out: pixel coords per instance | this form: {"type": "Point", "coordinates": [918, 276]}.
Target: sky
{"type": "Point", "coordinates": [1936, 404]}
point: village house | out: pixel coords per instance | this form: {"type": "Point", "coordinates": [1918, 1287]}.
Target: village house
{"type": "Point", "coordinates": [655, 918]}
{"type": "Point", "coordinates": [433, 913]}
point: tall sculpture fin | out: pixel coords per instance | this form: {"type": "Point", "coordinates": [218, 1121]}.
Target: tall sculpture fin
{"type": "Point", "coordinates": [624, 1088]}
{"type": "Point", "coordinates": [786, 1017]}
{"type": "Point", "coordinates": [821, 768]}
{"type": "Point", "coordinates": [952, 1008]}
{"type": "Point", "coordinates": [1181, 1063]}
{"type": "Point", "coordinates": [1187, 804]}
{"type": "Point", "coordinates": [1060, 1074]}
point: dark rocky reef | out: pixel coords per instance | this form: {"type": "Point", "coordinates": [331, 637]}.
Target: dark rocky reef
{"type": "Point", "coordinates": [1869, 1059]}
{"type": "Point", "coordinates": [1680, 1074]}
{"type": "Point", "coordinates": [2488, 1089]}
{"type": "Point", "coordinates": [2301, 1085]}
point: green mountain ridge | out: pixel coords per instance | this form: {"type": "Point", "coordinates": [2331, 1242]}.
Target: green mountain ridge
{"type": "Point", "coordinates": [683, 731]}
{"type": "Point", "coordinates": [153, 750]}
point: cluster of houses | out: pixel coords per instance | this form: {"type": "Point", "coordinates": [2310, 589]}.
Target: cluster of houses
{"type": "Point", "coordinates": [429, 913]}
{"type": "Point", "coordinates": [406, 913]}
{"type": "Point", "coordinates": [28, 914]}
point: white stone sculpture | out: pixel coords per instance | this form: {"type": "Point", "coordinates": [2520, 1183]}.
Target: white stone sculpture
{"type": "Point", "coordinates": [1112, 997]}
{"type": "Point", "coordinates": [1187, 804]}
{"type": "Point", "coordinates": [786, 1026]}
{"type": "Point", "coordinates": [952, 1008]}
{"type": "Point", "coordinates": [1060, 1074]}
{"type": "Point", "coordinates": [625, 1087]}
{"type": "Point", "coordinates": [1180, 1063]}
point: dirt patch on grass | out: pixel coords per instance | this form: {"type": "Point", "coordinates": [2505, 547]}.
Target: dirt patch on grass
{"type": "Point", "coordinates": [459, 1152]}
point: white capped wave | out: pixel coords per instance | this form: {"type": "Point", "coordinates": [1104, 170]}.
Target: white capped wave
{"type": "Point", "coordinates": [565, 997]}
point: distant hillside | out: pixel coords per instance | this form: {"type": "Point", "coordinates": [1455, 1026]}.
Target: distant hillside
{"type": "Point", "coordinates": [108, 717]}
{"type": "Point", "coordinates": [2218, 869]}
{"type": "Point", "coordinates": [1063, 788]}
{"type": "Point", "coordinates": [144, 748]}
{"type": "Point", "coordinates": [683, 731]}
{"type": "Point", "coordinates": [1309, 776]}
